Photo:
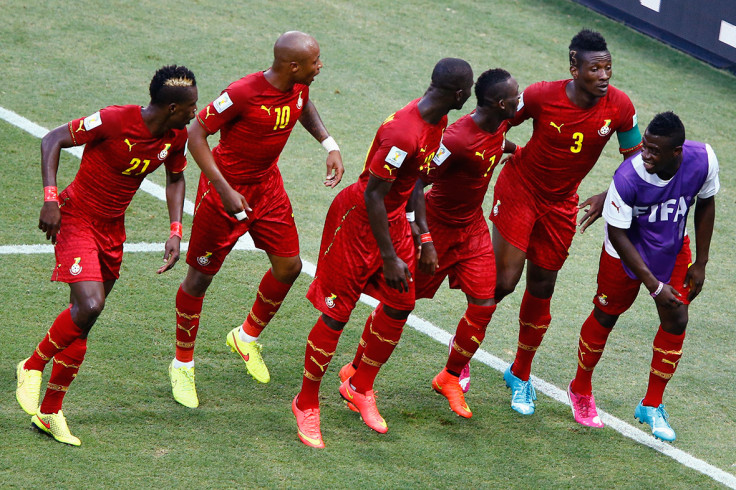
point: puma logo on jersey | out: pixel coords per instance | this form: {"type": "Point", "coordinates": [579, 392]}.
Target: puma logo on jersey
{"type": "Point", "coordinates": [390, 169]}
{"type": "Point", "coordinates": [130, 145]}
{"type": "Point", "coordinates": [558, 128]}
{"type": "Point", "coordinates": [480, 154]}
{"type": "Point", "coordinates": [208, 113]}
{"type": "Point", "coordinates": [267, 109]}
{"type": "Point", "coordinates": [618, 208]}
{"type": "Point", "coordinates": [422, 150]}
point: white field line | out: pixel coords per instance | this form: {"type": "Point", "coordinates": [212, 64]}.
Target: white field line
{"type": "Point", "coordinates": [415, 322]}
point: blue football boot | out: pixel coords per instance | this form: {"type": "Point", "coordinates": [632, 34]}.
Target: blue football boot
{"type": "Point", "coordinates": [522, 393]}
{"type": "Point", "coordinates": [657, 418]}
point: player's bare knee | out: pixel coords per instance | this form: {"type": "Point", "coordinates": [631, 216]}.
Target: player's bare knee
{"type": "Point", "coordinates": [196, 283]}
{"type": "Point", "coordinates": [332, 323]}
{"type": "Point", "coordinates": [288, 270]}
{"type": "Point", "coordinates": [396, 314]}
{"type": "Point", "coordinates": [85, 311]}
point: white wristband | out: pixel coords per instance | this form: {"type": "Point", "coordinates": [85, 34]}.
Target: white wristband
{"type": "Point", "coordinates": [240, 215]}
{"type": "Point", "coordinates": [654, 294]}
{"type": "Point", "coordinates": [330, 144]}
{"type": "Point", "coordinates": [410, 216]}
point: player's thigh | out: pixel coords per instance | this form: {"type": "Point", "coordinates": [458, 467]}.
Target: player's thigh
{"type": "Point", "coordinates": [474, 270]}
{"type": "Point", "coordinates": [214, 233]}
{"type": "Point", "coordinates": [404, 247]}
{"type": "Point", "coordinates": [514, 211]}
{"type": "Point", "coordinates": [552, 235]}
{"type": "Point", "coordinates": [616, 291]}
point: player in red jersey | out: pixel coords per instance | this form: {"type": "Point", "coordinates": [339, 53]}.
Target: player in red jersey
{"type": "Point", "coordinates": [367, 248]}
{"type": "Point", "coordinates": [535, 202]}
{"type": "Point", "coordinates": [241, 190]}
{"type": "Point", "coordinates": [472, 146]}
{"type": "Point", "coordinates": [86, 222]}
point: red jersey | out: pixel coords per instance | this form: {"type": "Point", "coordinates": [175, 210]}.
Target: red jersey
{"type": "Point", "coordinates": [567, 140]}
{"type": "Point", "coordinates": [255, 120]}
{"type": "Point", "coordinates": [120, 152]}
{"type": "Point", "coordinates": [462, 180]}
{"type": "Point", "coordinates": [404, 146]}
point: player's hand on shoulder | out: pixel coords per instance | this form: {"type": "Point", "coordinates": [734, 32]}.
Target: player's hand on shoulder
{"type": "Point", "coordinates": [50, 220]}
{"type": "Point", "coordinates": [594, 211]}
{"type": "Point", "coordinates": [695, 278]}
{"type": "Point", "coordinates": [335, 169]}
{"type": "Point", "coordinates": [171, 254]}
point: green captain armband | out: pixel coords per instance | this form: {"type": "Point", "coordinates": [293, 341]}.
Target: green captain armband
{"type": "Point", "coordinates": [630, 140]}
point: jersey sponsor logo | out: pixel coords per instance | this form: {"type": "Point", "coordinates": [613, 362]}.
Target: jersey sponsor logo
{"type": "Point", "coordinates": [207, 112]}
{"type": "Point", "coordinates": [267, 109]}
{"type": "Point", "coordinates": [165, 152]}
{"type": "Point", "coordinates": [441, 155]}
{"type": "Point", "coordinates": [480, 154]}
{"type": "Point", "coordinates": [91, 122]}
{"type": "Point", "coordinates": [603, 299]}
{"type": "Point", "coordinates": [495, 207]}
{"type": "Point", "coordinates": [76, 269]}
{"type": "Point", "coordinates": [299, 101]}
{"type": "Point", "coordinates": [81, 126]}
{"type": "Point", "coordinates": [204, 259]}
{"type": "Point", "coordinates": [558, 128]}
{"type": "Point", "coordinates": [618, 208]}
{"type": "Point", "coordinates": [395, 157]}
{"type": "Point", "coordinates": [605, 129]}
{"type": "Point", "coordinates": [330, 300]}
{"type": "Point", "coordinates": [388, 119]}
{"type": "Point", "coordinates": [130, 145]}
{"type": "Point", "coordinates": [390, 169]}
{"type": "Point", "coordinates": [222, 102]}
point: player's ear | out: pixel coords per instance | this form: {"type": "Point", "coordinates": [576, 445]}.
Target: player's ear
{"type": "Point", "coordinates": [172, 107]}
{"type": "Point", "coordinates": [574, 72]}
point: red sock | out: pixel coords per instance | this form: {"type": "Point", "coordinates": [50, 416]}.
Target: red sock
{"type": "Point", "coordinates": [271, 294]}
{"type": "Point", "coordinates": [667, 349]}
{"type": "Point", "coordinates": [469, 335]}
{"type": "Point", "coordinates": [188, 311]}
{"type": "Point", "coordinates": [593, 337]}
{"type": "Point", "coordinates": [364, 336]}
{"type": "Point", "coordinates": [385, 333]}
{"type": "Point", "coordinates": [64, 370]}
{"type": "Point", "coordinates": [321, 345]}
{"type": "Point", "coordinates": [534, 318]}
{"type": "Point", "coordinates": [61, 334]}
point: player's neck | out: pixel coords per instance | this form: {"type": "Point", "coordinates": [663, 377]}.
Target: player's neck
{"type": "Point", "coordinates": [432, 108]}
{"type": "Point", "coordinates": [279, 81]}
{"type": "Point", "coordinates": [485, 120]}
{"type": "Point", "coordinates": [579, 97]}
{"type": "Point", "coordinates": [154, 120]}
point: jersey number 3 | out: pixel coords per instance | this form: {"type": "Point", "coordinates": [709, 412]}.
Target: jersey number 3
{"type": "Point", "coordinates": [578, 139]}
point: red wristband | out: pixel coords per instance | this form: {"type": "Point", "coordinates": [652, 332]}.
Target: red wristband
{"type": "Point", "coordinates": [50, 193]}
{"type": "Point", "coordinates": [425, 238]}
{"type": "Point", "coordinates": [176, 229]}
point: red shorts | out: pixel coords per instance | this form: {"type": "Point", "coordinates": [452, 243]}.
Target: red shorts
{"type": "Point", "coordinates": [465, 255]}
{"type": "Point", "coordinates": [350, 263]}
{"type": "Point", "coordinates": [542, 229]}
{"type": "Point", "coordinates": [270, 224]}
{"type": "Point", "coordinates": [87, 249]}
{"type": "Point", "coordinates": [617, 291]}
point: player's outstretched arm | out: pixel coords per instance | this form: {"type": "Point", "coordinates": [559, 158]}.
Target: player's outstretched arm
{"type": "Point", "coordinates": [233, 202]}
{"type": "Point", "coordinates": [313, 124]}
{"type": "Point", "coordinates": [395, 271]}
{"type": "Point", "coordinates": [664, 295]}
{"type": "Point", "coordinates": [705, 215]}
{"type": "Point", "coordinates": [594, 211]}
{"type": "Point", "coordinates": [50, 219]}
{"type": "Point", "coordinates": [427, 255]}
{"type": "Point", "coordinates": [175, 190]}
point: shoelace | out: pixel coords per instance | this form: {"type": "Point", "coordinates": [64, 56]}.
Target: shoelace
{"type": "Point", "coordinates": [663, 413]}
{"type": "Point", "coordinates": [583, 405]}
{"type": "Point", "coordinates": [527, 392]}
{"type": "Point", "coordinates": [189, 374]}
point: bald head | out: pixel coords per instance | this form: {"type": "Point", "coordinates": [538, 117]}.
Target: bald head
{"type": "Point", "coordinates": [294, 46]}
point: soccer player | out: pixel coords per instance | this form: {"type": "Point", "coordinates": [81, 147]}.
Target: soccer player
{"type": "Point", "coordinates": [646, 242]}
{"type": "Point", "coordinates": [86, 223]}
{"type": "Point", "coordinates": [474, 146]}
{"type": "Point", "coordinates": [367, 248]}
{"type": "Point", "coordinates": [535, 202]}
{"type": "Point", "coordinates": [241, 190]}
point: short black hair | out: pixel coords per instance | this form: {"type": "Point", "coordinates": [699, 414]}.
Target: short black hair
{"type": "Point", "coordinates": [668, 124]}
{"type": "Point", "coordinates": [451, 74]}
{"type": "Point", "coordinates": [586, 41]}
{"type": "Point", "coordinates": [167, 82]}
{"type": "Point", "coordinates": [487, 85]}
